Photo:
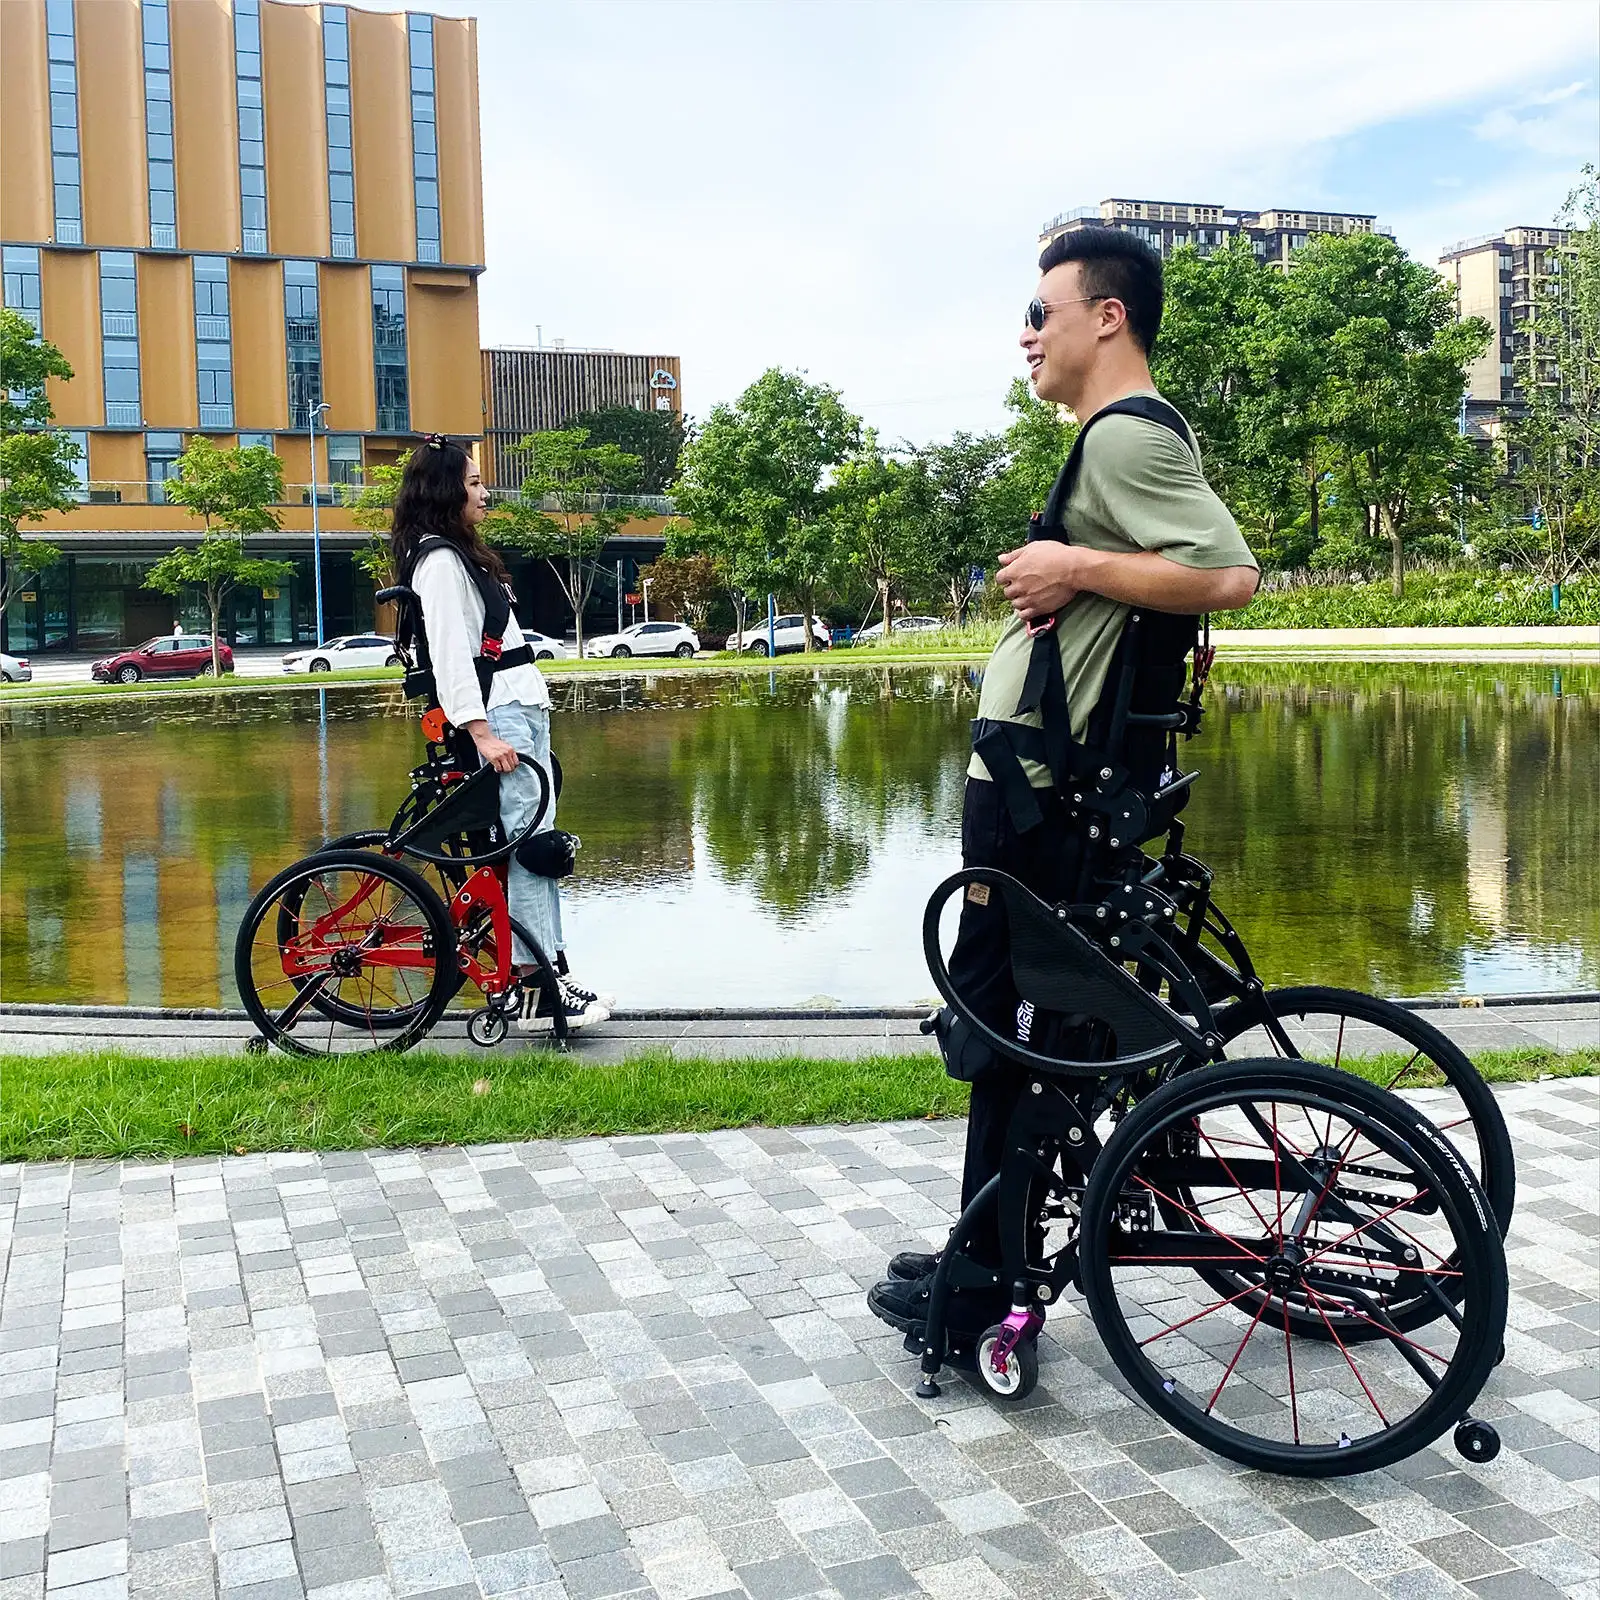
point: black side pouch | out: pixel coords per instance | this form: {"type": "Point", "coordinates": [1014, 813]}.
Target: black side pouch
{"type": "Point", "coordinates": [966, 1056]}
{"type": "Point", "coordinates": [550, 854]}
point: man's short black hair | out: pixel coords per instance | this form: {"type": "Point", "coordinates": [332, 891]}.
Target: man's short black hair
{"type": "Point", "coordinates": [1119, 266]}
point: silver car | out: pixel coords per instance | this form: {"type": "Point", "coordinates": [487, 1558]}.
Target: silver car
{"type": "Point", "coordinates": [15, 669]}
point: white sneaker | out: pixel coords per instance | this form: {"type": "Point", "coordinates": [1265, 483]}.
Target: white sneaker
{"type": "Point", "coordinates": [580, 1011]}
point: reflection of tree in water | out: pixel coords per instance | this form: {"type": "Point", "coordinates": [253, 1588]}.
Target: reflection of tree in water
{"type": "Point", "coordinates": [1374, 827]}
{"type": "Point", "coordinates": [798, 778]}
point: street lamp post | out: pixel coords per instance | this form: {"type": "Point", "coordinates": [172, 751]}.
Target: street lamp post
{"type": "Point", "coordinates": [312, 413]}
{"type": "Point", "coordinates": [644, 589]}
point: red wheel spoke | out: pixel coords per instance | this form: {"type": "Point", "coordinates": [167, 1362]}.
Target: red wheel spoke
{"type": "Point", "coordinates": [1243, 1195]}
{"type": "Point", "coordinates": [1288, 1354]}
{"type": "Point", "coordinates": [1334, 1334]}
{"type": "Point", "coordinates": [1216, 1305]}
{"type": "Point", "coordinates": [1237, 1353]}
{"type": "Point", "coordinates": [1217, 1232]}
{"type": "Point", "coordinates": [1405, 1069]}
{"type": "Point", "coordinates": [1388, 1332]}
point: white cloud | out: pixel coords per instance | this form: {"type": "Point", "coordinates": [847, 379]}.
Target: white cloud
{"type": "Point", "coordinates": [1560, 123]}
{"type": "Point", "coordinates": [856, 188]}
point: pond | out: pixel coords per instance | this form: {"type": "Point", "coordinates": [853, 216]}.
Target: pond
{"type": "Point", "coordinates": [756, 839]}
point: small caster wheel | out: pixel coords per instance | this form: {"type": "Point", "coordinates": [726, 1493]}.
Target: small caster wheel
{"type": "Point", "coordinates": [1009, 1377]}
{"type": "Point", "coordinates": [256, 1046]}
{"type": "Point", "coordinates": [1476, 1441]}
{"type": "Point", "coordinates": [486, 1027]}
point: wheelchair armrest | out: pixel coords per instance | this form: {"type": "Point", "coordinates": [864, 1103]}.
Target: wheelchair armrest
{"type": "Point", "coordinates": [1158, 719]}
{"type": "Point", "coordinates": [396, 592]}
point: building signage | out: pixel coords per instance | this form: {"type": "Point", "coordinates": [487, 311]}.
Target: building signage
{"type": "Point", "coordinates": [662, 379]}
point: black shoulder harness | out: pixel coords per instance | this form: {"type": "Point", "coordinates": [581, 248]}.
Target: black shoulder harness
{"type": "Point", "coordinates": [411, 637]}
{"type": "Point", "coordinates": [1159, 644]}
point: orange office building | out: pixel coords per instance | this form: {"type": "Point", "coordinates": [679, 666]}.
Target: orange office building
{"type": "Point", "coordinates": [236, 217]}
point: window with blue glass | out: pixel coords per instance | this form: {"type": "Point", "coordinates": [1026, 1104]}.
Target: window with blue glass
{"type": "Point", "coordinates": [80, 462]}
{"type": "Point", "coordinates": [424, 137]}
{"type": "Point", "coordinates": [302, 324]}
{"type": "Point", "coordinates": [158, 127]}
{"type": "Point", "coordinates": [252, 133]}
{"type": "Point", "coordinates": [336, 95]}
{"type": "Point", "coordinates": [119, 338]}
{"type": "Point", "coordinates": [62, 51]}
{"type": "Point", "coordinates": [213, 342]}
{"type": "Point", "coordinates": [21, 262]}
{"type": "Point", "coordinates": [389, 349]}
{"type": "Point", "coordinates": [161, 452]}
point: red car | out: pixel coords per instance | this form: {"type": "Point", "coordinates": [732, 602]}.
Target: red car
{"type": "Point", "coordinates": [186, 655]}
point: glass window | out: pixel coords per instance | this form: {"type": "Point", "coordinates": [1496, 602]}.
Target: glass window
{"type": "Point", "coordinates": [344, 458]}
{"type": "Point", "coordinates": [252, 149]}
{"type": "Point", "coordinates": [119, 321]}
{"type": "Point", "coordinates": [255, 441]}
{"type": "Point", "coordinates": [22, 282]}
{"type": "Point", "coordinates": [80, 466]}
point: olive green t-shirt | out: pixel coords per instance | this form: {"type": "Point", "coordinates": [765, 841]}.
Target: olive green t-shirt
{"type": "Point", "coordinates": [1139, 488]}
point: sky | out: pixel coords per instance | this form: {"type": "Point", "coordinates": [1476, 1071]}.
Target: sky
{"type": "Point", "coordinates": [856, 190]}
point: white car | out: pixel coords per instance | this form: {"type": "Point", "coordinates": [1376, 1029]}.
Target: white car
{"type": "Point", "coordinates": [15, 669]}
{"type": "Point", "coordinates": [544, 647]}
{"type": "Point", "coordinates": [788, 633]}
{"type": "Point", "coordinates": [348, 650]}
{"type": "Point", "coordinates": [901, 625]}
{"type": "Point", "coordinates": [645, 639]}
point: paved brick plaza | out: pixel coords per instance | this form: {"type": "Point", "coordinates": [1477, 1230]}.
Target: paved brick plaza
{"type": "Point", "coordinates": [644, 1366]}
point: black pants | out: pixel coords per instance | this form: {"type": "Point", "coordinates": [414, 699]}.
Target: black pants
{"type": "Point", "coordinates": [1046, 859]}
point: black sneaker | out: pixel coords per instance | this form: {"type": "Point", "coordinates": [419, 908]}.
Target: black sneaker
{"type": "Point", "coordinates": [911, 1264]}
{"type": "Point", "coordinates": [537, 1014]}
{"type": "Point", "coordinates": [607, 1002]}
{"type": "Point", "coordinates": [903, 1304]}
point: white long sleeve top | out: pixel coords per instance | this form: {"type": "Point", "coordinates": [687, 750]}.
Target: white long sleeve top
{"type": "Point", "coordinates": [452, 616]}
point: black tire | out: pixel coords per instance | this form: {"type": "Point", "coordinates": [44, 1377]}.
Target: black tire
{"type": "Point", "coordinates": [208, 671]}
{"type": "Point", "coordinates": [684, 651]}
{"type": "Point", "coordinates": [1477, 1128]}
{"type": "Point", "coordinates": [621, 653]}
{"type": "Point", "coordinates": [6, 676]}
{"type": "Point", "coordinates": [544, 655]}
{"type": "Point", "coordinates": [303, 1012]}
{"type": "Point", "coordinates": [760, 648]}
{"type": "Point", "coordinates": [391, 660]}
{"type": "Point", "coordinates": [128, 673]}
{"type": "Point", "coordinates": [1140, 1271]}
{"type": "Point", "coordinates": [319, 665]}
{"type": "Point", "coordinates": [1022, 1367]}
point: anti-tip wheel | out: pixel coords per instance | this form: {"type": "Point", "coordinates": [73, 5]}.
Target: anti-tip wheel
{"type": "Point", "coordinates": [486, 1028]}
{"type": "Point", "coordinates": [1007, 1376]}
{"type": "Point", "coordinates": [1476, 1441]}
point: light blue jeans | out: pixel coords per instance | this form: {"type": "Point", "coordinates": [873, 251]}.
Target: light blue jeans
{"type": "Point", "coordinates": [535, 902]}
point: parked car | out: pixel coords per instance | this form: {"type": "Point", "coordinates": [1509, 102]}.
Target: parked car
{"type": "Point", "coordinates": [186, 655]}
{"type": "Point", "coordinates": [788, 633]}
{"type": "Point", "coordinates": [348, 650]}
{"type": "Point", "coordinates": [544, 647]}
{"type": "Point", "coordinates": [645, 639]}
{"type": "Point", "coordinates": [901, 625]}
{"type": "Point", "coordinates": [15, 669]}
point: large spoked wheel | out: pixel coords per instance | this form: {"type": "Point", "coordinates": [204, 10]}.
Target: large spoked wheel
{"type": "Point", "coordinates": [343, 953]}
{"type": "Point", "coordinates": [1398, 1050]}
{"type": "Point", "coordinates": [1326, 1198]}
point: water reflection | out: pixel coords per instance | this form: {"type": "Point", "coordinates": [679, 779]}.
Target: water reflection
{"type": "Point", "coordinates": [770, 838]}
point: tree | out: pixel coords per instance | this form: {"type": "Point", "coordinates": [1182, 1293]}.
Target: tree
{"type": "Point", "coordinates": [654, 438]}
{"type": "Point", "coordinates": [689, 584]}
{"type": "Point", "coordinates": [977, 502]}
{"type": "Point", "coordinates": [755, 478]}
{"type": "Point", "coordinates": [372, 508]}
{"type": "Point", "coordinates": [1554, 438]}
{"type": "Point", "coordinates": [1034, 449]}
{"type": "Point", "coordinates": [573, 477]}
{"type": "Point", "coordinates": [879, 509]}
{"type": "Point", "coordinates": [1391, 362]}
{"type": "Point", "coordinates": [232, 492]}
{"type": "Point", "coordinates": [36, 471]}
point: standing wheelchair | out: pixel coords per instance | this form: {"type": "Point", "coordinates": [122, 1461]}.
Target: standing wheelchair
{"type": "Point", "coordinates": [1285, 1260]}
{"type": "Point", "coordinates": [361, 946]}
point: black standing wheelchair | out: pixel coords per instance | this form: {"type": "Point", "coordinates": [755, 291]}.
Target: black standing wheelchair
{"type": "Point", "coordinates": [1285, 1260]}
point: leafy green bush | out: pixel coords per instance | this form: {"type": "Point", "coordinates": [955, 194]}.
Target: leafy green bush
{"type": "Point", "coordinates": [1444, 599]}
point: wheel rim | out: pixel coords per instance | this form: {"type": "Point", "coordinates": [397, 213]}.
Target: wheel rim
{"type": "Point", "coordinates": [1002, 1383]}
{"type": "Point", "coordinates": [343, 958]}
{"type": "Point", "coordinates": [1234, 1371]}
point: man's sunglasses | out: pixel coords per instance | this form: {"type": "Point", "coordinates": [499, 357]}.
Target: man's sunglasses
{"type": "Point", "coordinates": [1039, 309]}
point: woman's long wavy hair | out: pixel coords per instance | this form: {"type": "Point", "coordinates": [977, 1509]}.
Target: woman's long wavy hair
{"type": "Point", "coordinates": [432, 498]}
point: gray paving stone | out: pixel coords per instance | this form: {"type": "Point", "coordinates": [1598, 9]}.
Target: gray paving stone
{"type": "Point", "coordinates": [745, 1387]}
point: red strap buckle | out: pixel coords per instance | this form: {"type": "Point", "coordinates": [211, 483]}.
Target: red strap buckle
{"type": "Point", "coordinates": [491, 648]}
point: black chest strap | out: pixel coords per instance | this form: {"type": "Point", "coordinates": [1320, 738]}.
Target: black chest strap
{"type": "Point", "coordinates": [490, 658]}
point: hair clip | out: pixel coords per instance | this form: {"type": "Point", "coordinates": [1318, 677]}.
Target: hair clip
{"type": "Point", "coordinates": [437, 441]}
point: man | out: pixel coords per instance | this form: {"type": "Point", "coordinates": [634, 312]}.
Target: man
{"type": "Point", "coordinates": [1146, 530]}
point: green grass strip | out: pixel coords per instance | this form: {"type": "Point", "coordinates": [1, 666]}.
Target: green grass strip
{"type": "Point", "coordinates": [107, 1104]}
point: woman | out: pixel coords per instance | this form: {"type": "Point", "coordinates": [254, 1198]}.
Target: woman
{"type": "Point", "coordinates": [442, 496]}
